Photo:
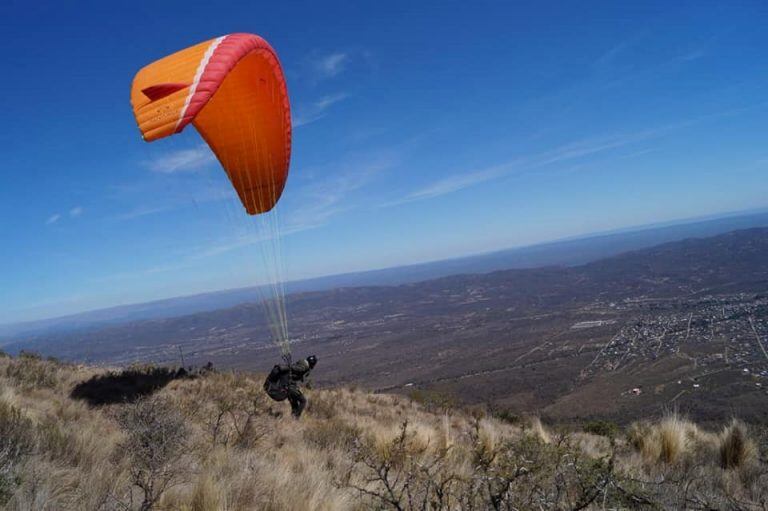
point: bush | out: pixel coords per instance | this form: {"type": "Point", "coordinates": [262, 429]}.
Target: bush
{"type": "Point", "coordinates": [31, 371]}
{"type": "Point", "coordinates": [16, 442]}
{"type": "Point", "coordinates": [330, 433]}
{"type": "Point", "coordinates": [602, 428]}
{"type": "Point", "coordinates": [233, 412]}
{"type": "Point", "coordinates": [503, 414]}
{"type": "Point", "coordinates": [484, 472]}
{"type": "Point", "coordinates": [30, 355]}
{"type": "Point", "coordinates": [156, 439]}
{"type": "Point", "coordinates": [433, 400]}
{"type": "Point", "coordinates": [323, 406]}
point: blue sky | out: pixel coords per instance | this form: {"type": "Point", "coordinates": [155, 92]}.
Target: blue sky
{"type": "Point", "coordinates": [423, 130]}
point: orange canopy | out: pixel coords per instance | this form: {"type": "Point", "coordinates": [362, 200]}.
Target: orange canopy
{"type": "Point", "coordinates": [233, 91]}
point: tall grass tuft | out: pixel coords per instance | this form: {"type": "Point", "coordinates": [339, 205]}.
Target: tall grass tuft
{"type": "Point", "coordinates": [736, 448]}
{"type": "Point", "coordinates": [539, 431]}
{"type": "Point", "coordinates": [665, 442]}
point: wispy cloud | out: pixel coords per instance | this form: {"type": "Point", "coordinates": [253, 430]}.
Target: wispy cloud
{"type": "Point", "coordinates": [317, 110]}
{"type": "Point", "coordinates": [154, 198]}
{"type": "Point", "coordinates": [318, 202]}
{"type": "Point", "coordinates": [619, 65]}
{"type": "Point", "coordinates": [458, 182]}
{"type": "Point", "coordinates": [616, 57]}
{"type": "Point", "coordinates": [144, 210]}
{"type": "Point", "coordinates": [74, 212]}
{"type": "Point", "coordinates": [315, 203]}
{"type": "Point", "coordinates": [565, 153]}
{"type": "Point", "coordinates": [183, 160]}
{"type": "Point", "coordinates": [326, 197]}
{"type": "Point", "coordinates": [620, 74]}
{"type": "Point", "coordinates": [690, 55]}
{"type": "Point", "coordinates": [613, 53]}
{"type": "Point", "coordinates": [173, 183]}
{"type": "Point", "coordinates": [330, 65]}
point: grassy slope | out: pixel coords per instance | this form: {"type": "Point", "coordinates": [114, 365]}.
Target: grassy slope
{"type": "Point", "coordinates": [215, 442]}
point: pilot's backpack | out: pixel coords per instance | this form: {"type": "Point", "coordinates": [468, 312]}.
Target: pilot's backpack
{"type": "Point", "coordinates": [274, 385]}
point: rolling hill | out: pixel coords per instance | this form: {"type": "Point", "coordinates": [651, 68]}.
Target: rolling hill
{"type": "Point", "coordinates": [685, 323]}
{"type": "Point", "coordinates": [568, 252]}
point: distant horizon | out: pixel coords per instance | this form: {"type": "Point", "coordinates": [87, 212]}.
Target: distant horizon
{"type": "Point", "coordinates": [584, 236]}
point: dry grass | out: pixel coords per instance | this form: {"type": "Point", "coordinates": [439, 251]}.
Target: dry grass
{"type": "Point", "coordinates": [736, 448]}
{"type": "Point", "coordinates": [217, 443]}
{"type": "Point", "coordinates": [539, 431]}
{"type": "Point", "coordinates": [667, 441]}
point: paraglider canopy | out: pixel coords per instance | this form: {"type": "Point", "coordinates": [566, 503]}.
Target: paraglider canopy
{"type": "Point", "coordinates": [232, 90]}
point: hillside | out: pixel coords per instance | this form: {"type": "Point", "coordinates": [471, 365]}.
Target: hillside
{"type": "Point", "coordinates": [211, 441]}
{"type": "Point", "coordinates": [687, 322]}
{"type": "Point", "coordinates": [568, 252]}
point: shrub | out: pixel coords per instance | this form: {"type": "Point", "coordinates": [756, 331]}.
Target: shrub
{"type": "Point", "coordinates": [30, 371]}
{"type": "Point", "coordinates": [433, 400]}
{"type": "Point", "coordinates": [507, 416]}
{"type": "Point", "coordinates": [330, 433]}
{"type": "Point", "coordinates": [323, 406]}
{"type": "Point", "coordinates": [229, 407]}
{"type": "Point", "coordinates": [205, 496]}
{"type": "Point", "coordinates": [602, 428]}
{"type": "Point", "coordinates": [400, 473]}
{"type": "Point", "coordinates": [30, 355]}
{"type": "Point", "coordinates": [16, 442]}
{"type": "Point", "coordinates": [156, 438]}
{"type": "Point", "coordinates": [486, 472]}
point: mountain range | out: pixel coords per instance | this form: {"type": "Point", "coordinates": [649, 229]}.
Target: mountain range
{"type": "Point", "coordinates": [567, 252]}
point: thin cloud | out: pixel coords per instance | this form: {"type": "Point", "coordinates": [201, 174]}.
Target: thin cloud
{"type": "Point", "coordinates": [144, 210]}
{"type": "Point", "coordinates": [184, 198]}
{"type": "Point", "coordinates": [562, 154]}
{"type": "Point", "coordinates": [318, 202]}
{"type": "Point", "coordinates": [612, 54]}
{"type": "Point", "coordinates": [183, 160]}
{"type": "Point", "coordinates": [668, 65]}
{"type": "Point", "coordinates": [328, 197]}
{"type": "Point", "coordinates": [637, 154]}
{"type": "Point", "coordinates": [691, 55]}
{"type": "Point", "coordinates": [74, 212]}
{"type": "Point", "coordinates": [587, 148]}
{"type": "Point", "coordinates": [317, 110]}
{"type": "Point", "coordinates": [460, 181]}
{"type": "Point", "coordinates": [158, 193]}
{"type": "Point", "coordinates": [328, 66]}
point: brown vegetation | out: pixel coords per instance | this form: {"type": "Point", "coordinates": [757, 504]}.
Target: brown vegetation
{"type": "Point", "coordinates": [216, 442]}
